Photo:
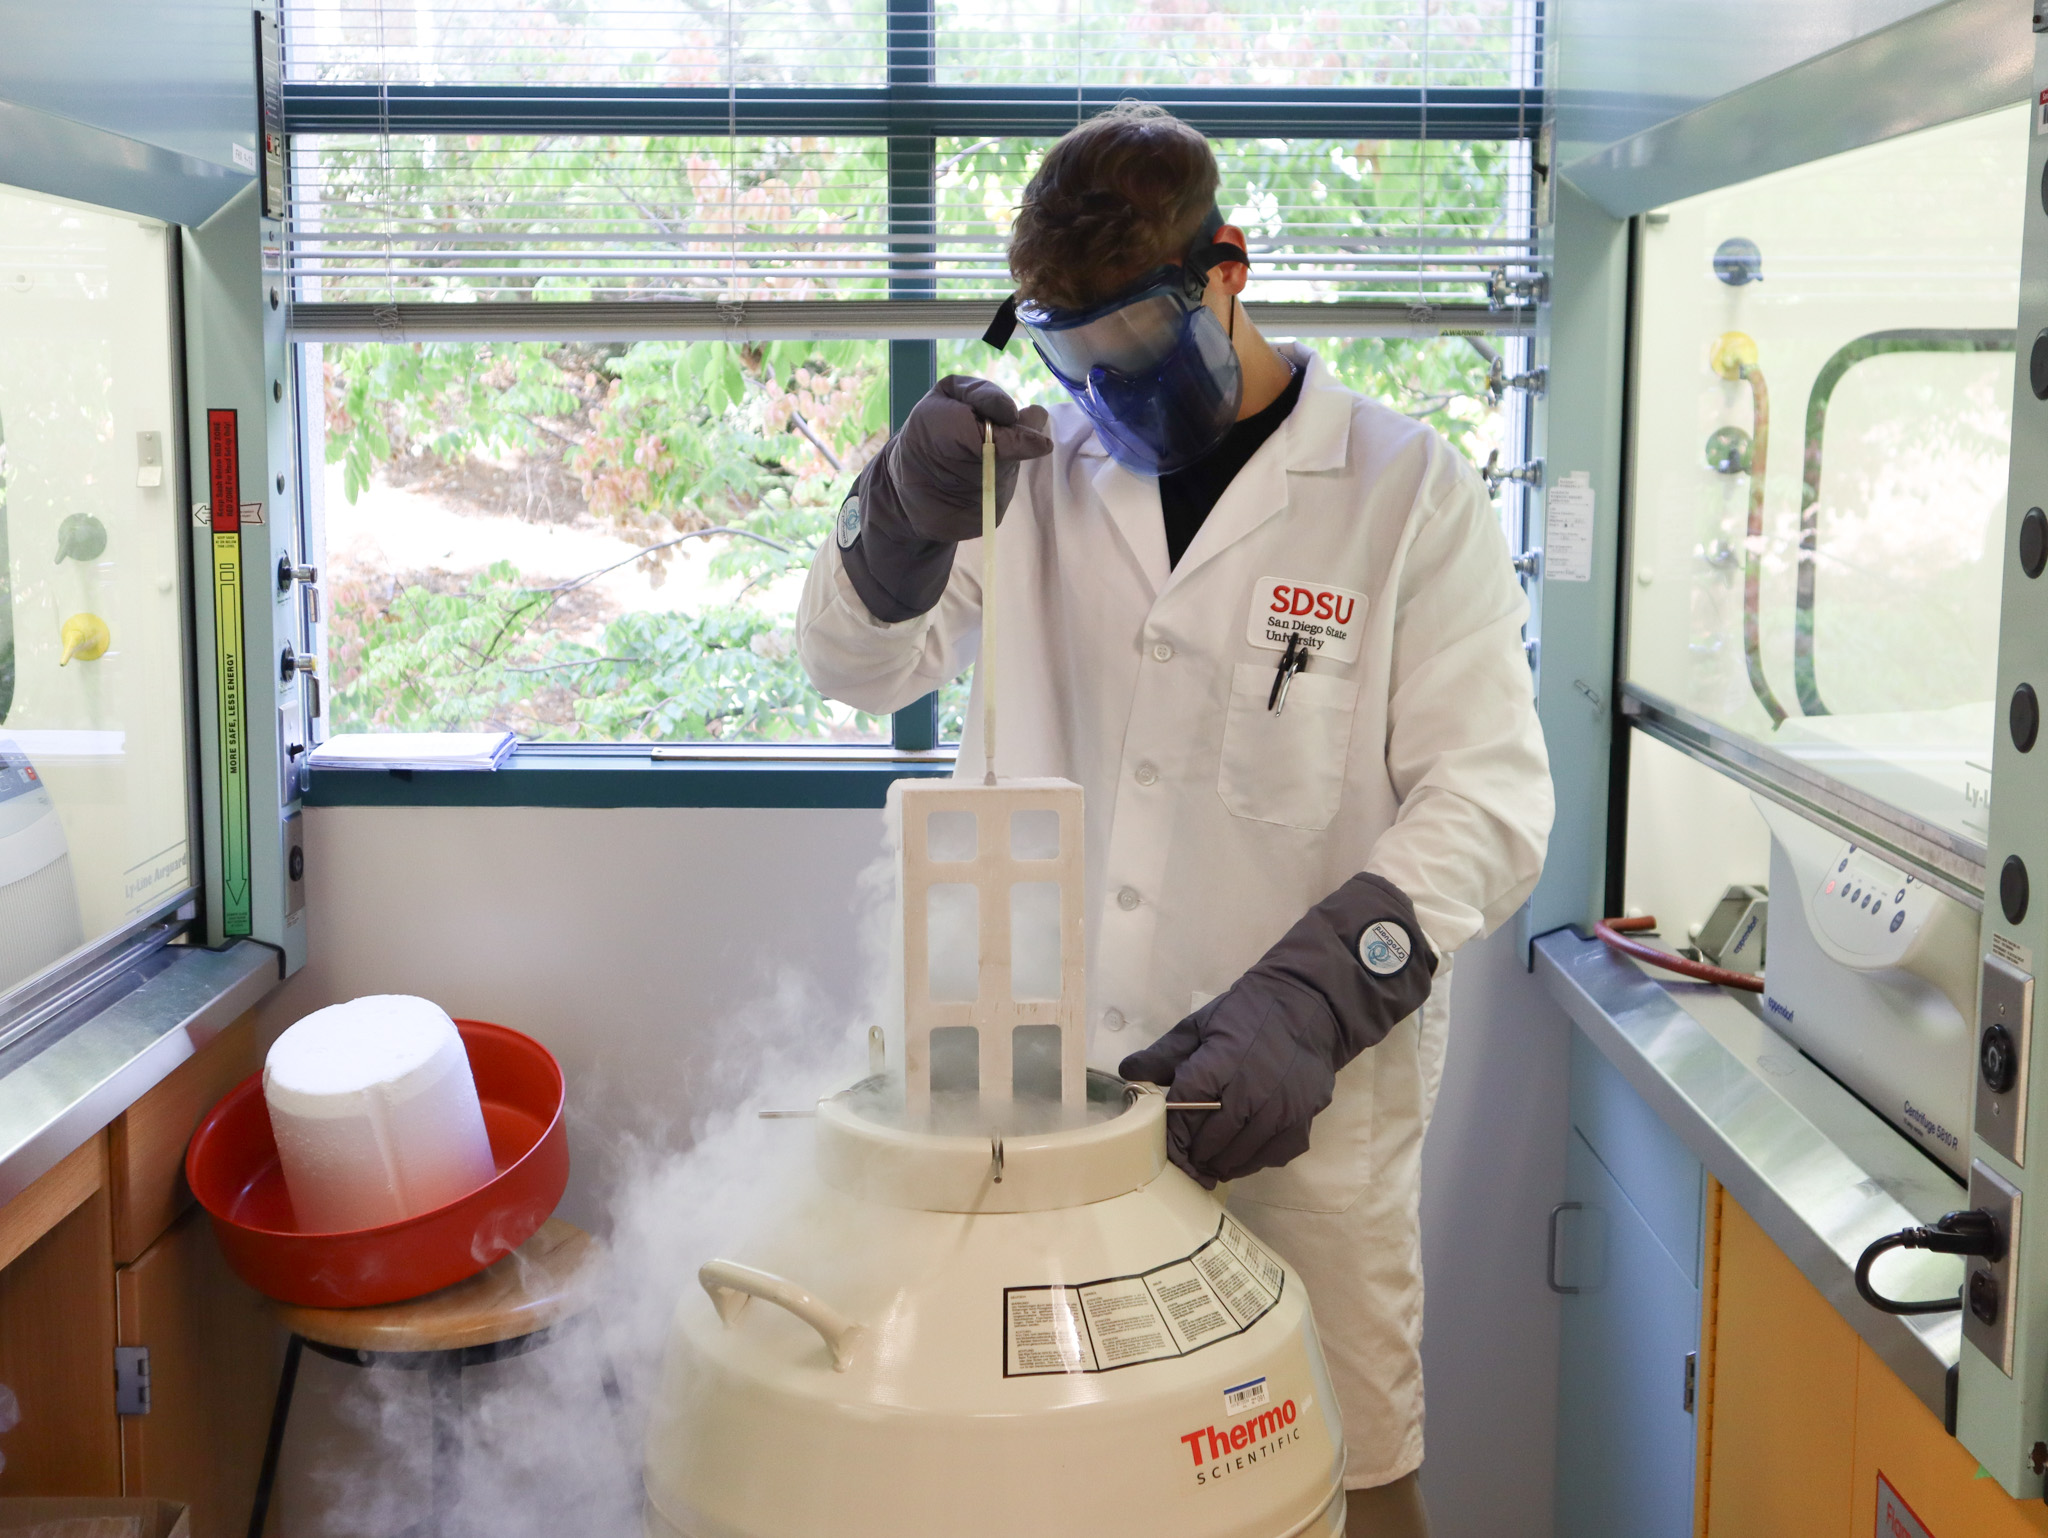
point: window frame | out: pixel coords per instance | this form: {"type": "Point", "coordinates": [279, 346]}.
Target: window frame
{"type": "Point", "coordinates": [911, 111]}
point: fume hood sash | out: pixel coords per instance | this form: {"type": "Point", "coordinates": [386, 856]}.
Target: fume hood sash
{"type": "Point", "coordinates": [1947, 861]}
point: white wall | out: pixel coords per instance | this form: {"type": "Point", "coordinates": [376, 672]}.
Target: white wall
{"type": "Point", "coordinates": [644, 947]}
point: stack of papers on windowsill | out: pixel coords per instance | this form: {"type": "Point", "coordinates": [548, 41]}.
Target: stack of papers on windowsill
{"type": "Point", "coordinates": [414, 750]}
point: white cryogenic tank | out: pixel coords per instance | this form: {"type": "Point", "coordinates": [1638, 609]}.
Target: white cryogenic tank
{"type": "Point", "coordinates": [992, 1306]}
{"type": "Point", "coordinates": [1090, 1346]}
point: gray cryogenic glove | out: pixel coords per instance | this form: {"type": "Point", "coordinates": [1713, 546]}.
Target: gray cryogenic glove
{"type": "Point", "coordinates": [921, 495]}
{"type": "Point", "coordinates": [1351, 969]}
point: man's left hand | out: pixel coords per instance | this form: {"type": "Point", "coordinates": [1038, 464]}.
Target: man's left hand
{"type": "Point", "coordinates": [1269, 1048]}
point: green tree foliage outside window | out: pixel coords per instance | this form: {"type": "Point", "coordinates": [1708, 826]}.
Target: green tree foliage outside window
{"type": "Point", "coordinates": [674, 442]}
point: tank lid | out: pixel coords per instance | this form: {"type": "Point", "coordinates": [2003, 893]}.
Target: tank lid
{"type": "Point", "coordinates": [956, 1162]}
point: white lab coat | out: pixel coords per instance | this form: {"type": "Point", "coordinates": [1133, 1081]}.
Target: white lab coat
{"type": "Point", "coordinates": [1214, 823]}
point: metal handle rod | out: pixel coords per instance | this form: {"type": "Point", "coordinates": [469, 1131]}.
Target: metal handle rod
{"type": "Point", "coordinates": [987, 662]}
{"type": "Point", "coordinates": [1550, 1266]}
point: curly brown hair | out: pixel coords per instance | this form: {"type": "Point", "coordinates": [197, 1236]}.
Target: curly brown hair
{"type": "Point", "coordinates": [1121, 194]}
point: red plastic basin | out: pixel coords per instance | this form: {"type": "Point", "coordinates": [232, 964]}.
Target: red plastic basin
{"type": "Point", "coordinates": [233, 1170]}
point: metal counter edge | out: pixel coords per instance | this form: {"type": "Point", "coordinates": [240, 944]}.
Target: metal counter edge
{"type": "Point", "coordinates": [1817, 1202]}
{"type": "Point", "coordinates": [618, 776]}
{"type": "Point", "coordinates": [69, 1090]}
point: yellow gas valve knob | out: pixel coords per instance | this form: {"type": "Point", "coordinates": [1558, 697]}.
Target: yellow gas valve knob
{"type": "Point", "coordinates": [1734, 353]}
{"type": "Point", "coordinates": [86, 637]}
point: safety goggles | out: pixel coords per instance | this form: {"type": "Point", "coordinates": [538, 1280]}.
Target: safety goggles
{"type": "Point", "coordinates": [1151, 367]}
{"type": "Point", "coordinates": [1131, 331]}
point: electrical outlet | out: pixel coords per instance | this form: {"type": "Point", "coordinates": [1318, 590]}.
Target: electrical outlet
{"type": "Point", "coordinates": [1987, 1284]}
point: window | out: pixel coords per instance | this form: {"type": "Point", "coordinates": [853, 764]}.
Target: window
{"type": "Point", "coordinates": [602, 307]}
{"type": "Point", "coordinates": [95, 782]}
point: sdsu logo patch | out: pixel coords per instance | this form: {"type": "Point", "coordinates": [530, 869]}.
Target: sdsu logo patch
{"type": "Point", "coordinates": [1384, 948]}
{"type": "Point", "coordinates": [1328, 622]}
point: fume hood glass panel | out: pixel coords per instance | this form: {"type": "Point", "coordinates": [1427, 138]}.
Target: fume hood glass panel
{"type": "Point", "coordinates": [1823, 409]}
{"type": "Point", "coordinates": [94, 770]}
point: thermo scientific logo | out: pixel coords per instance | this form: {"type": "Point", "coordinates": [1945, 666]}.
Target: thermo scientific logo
{"type": "Point", "coordinates": [1220, 1453]}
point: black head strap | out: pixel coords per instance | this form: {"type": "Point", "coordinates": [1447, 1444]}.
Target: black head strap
{"type": "Point", "coordinates": [1004, 326]}
{"type": "Point", "coordinates": [1195, 269]}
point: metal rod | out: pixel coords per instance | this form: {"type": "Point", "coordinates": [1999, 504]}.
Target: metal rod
{"type": "Point", "coordinates": [1450, 112]}
{"type": "Point", "coordinates": [986, 664]}
{"type": "Point", "coordinates": [280, 1412]}
{"type": "Point", "coordinates": [630, 320]}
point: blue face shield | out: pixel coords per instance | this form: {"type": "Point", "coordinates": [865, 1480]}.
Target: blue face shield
{"type": "Point", "coordinates": [1153, 369]}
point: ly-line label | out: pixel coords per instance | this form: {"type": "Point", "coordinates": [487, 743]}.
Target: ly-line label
{"type": "Point", "coordinates": [1222, 1289]}
{"type": "Point", "coordinates": [224, 481]}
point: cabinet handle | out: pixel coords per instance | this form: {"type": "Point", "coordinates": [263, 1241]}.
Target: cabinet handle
{"type": "Point", "coordinates": [1550, 1268]}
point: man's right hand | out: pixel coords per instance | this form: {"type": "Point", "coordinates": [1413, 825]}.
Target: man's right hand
{"type": "Point", "coordinates": [921, 495]}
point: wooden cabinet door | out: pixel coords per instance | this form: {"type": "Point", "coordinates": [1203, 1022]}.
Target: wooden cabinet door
{"type": "Point", "coordinates": [214, 1352]}
{"type": "Point", "coordinates": [1780, 1396]}
{"type": "Point", "coordinates": [146, 1144]}
{"type": "Point", "coordinates": [57, 1332]}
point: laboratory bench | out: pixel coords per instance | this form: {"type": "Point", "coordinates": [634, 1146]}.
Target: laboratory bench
{"type": "Point", "coordinates": [139, 1365]}
{"type": "Point", "coordinates": [1719, 1374]}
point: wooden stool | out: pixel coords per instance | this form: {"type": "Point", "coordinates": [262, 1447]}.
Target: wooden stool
{"type": "Point", "coordinates": [503, 1311]}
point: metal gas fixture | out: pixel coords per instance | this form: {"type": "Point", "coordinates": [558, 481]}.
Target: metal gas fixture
{"type": "Point", "coordinates": [992, 1305]}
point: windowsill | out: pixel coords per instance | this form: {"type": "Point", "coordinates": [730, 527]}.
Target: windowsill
{"type": "Point", "coordinates": [631, 774]}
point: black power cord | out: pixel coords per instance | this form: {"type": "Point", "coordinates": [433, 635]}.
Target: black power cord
{"type": "Point", "coordinates": [1970, 1232]}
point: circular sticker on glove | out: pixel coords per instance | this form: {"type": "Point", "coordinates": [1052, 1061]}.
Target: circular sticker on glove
{"type": "Point", "coordinates": [849, 522]}
{"type": "Point", "coordinates": [1384, 948]}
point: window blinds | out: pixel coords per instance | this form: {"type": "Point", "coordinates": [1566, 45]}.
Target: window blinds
{"type": "Point", "coordinates": [815, 167]}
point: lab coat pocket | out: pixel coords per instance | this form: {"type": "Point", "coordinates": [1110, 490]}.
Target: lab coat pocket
{"type": "Point", "coordinates": [1333, 1173]}
{"type": "Point", "coordinates": [1286, 766]}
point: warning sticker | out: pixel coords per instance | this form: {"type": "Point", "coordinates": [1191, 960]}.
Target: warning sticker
{"type": "Point", "coordinates": [1895, 1519]}
{"type": "Point", "coordinates": [1219, 1291]}
{"type": "Point", "coordinates": [1330, 621]}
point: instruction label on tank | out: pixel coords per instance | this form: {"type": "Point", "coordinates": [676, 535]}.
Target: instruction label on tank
{"type": "Point", "coordinates": [1221, 1290]}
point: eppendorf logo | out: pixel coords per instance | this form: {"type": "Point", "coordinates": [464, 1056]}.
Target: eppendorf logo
{"type": "Point", "coordinates": [1218, 1453]}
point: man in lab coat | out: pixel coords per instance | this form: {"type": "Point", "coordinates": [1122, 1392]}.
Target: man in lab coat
{"type": "Point", "coordinates": [1270, 626]}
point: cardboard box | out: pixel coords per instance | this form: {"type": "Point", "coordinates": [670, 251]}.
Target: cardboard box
{"type": "Point", "coordinates": [80, 1514]}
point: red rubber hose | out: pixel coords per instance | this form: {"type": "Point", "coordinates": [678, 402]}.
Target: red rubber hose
{"type": "Point", "coordinates": [1610, 931]}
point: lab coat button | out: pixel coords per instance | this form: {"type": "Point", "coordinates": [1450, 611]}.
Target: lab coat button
{"type": "Point", "coordinates": [1146, 775]}
{"type": "Point", "coordinates": [1127, 899]}
{"type": "Point", "coordinates": [1112, 1019]}
{"type": "Point", "coordinates": [1162, 653]}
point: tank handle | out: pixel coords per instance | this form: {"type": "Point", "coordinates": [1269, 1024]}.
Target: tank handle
{"type": "Point", "coordinates": [731, 1285]}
